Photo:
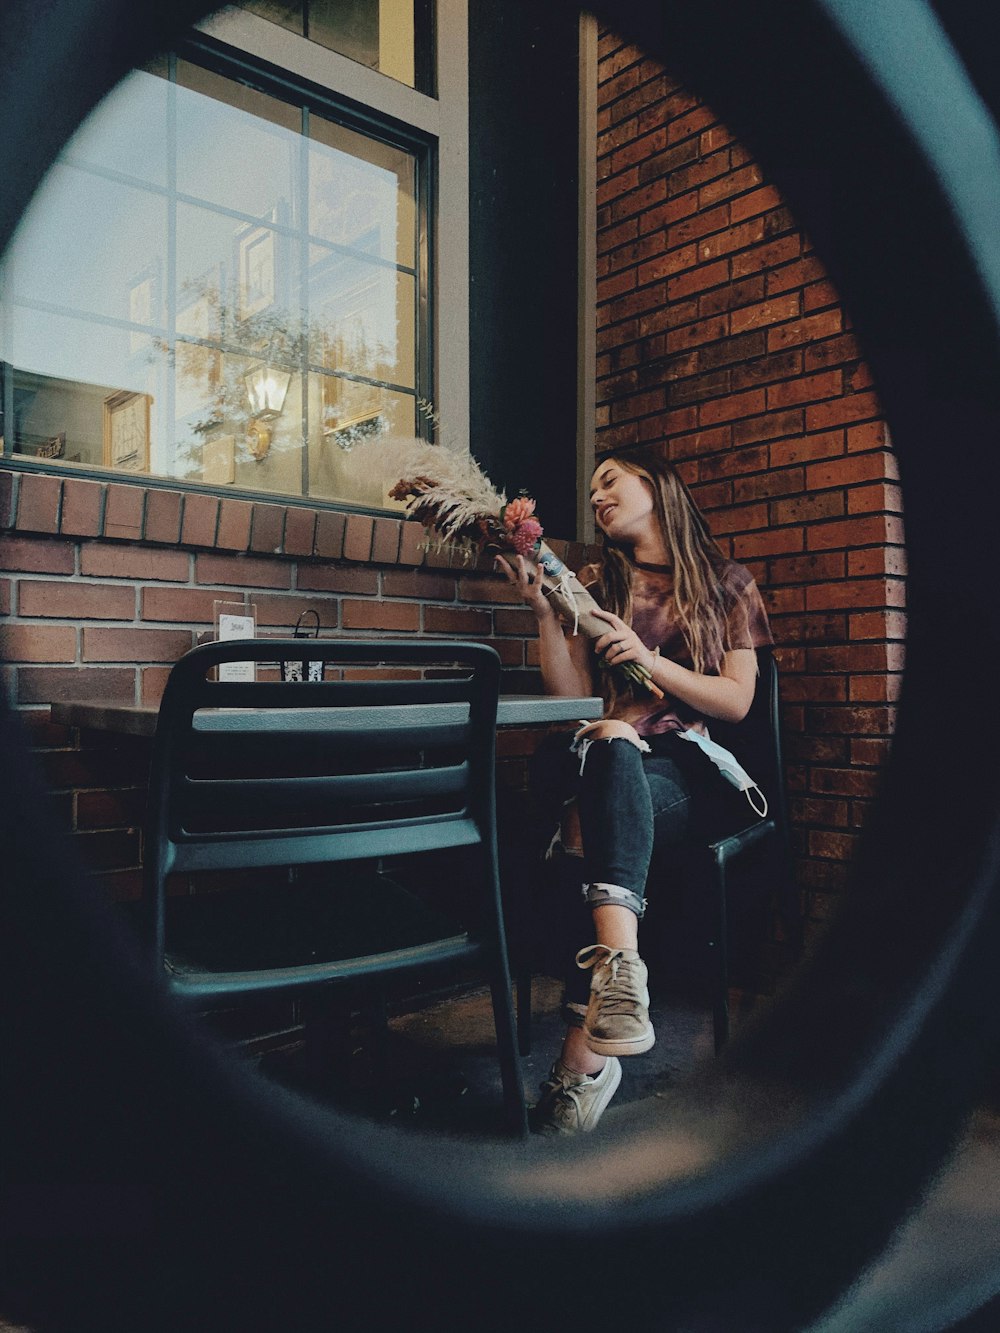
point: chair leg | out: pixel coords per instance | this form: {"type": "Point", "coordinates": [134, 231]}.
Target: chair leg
{"type": "Point", "coordinates": [524, 1007]}
{"type": "Point", "coordinates": [720, 1003]}
{"type": "Point", "coordinates": [510, 1070]}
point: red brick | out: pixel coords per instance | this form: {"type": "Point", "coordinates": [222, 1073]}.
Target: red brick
{"type": "Point", "coordinates": [878, 625]}
{"type": "Point", "coordinates": [767, 427]}
{"type": "Point", "coordinates": [411, 549]}
{"type": "Point", "coordinates": [330, 534]}
{"type": "Point", "coordinates": [358, 537]}
{"type": "Point", "coordinates": [837, 846]}
{"type": "Point", "coordinates": [879, 560]}
{"type": "Point", "coordinates": [85, 684]}
{"type": "Point", "coordinates": [814, 689]}
{"type": "Point", "coordinates": [873, 750]}
{"type": "Point", "coordinates": [725, 186]}
{"type": "Point", "coordinates": [773, 311]}
{"type": "Point", "coordinates": [851, 593]}
{"type": "Point", "coordinates": [123, 512]}
{"type": "Point", "coordinates": [813, 810]}
{"type": "Point", "coordinates": [808, 568]}
{"type": "Point", "coordinates": [695, 120]}
{"type": "Point", "coordinates": [38, 502]}
{"type": "Point", "coordinates": [520, 621]}
{"type": "Point", "coordinates": [242, 572]}
{"type": "Point", "coordinates": [876, 688]}
{"type": "Point", "coordinates": [110, 809]}
{"type": "Point", "coordinates": [734, 296]}
{"type": "Point", "coordinates": [381, 615]}
{"type": "Point", "coordinates": [701, 224]}
{"type": "Point", "coordinates": [819, 295]}
{"type": "Point", "coordinates": [267, 530]}
{"type": "Point", "coordinates": [808, 329]}
{"type": "Point", "coordinates": [163, 516]}
{"type": "Point", "coordinates": [839, 411]}
{"type": "Point", "coordinates": [806, 448]}
{"type": "Point", "coordinates": [456, 620]}
{"type": "Point", "coordinates": [883, 497]}
{"type": "Point", "coordinates": [733, 238]}
{"type": "Point", "coordinates": [38, 643]}
{"type": "Point", "coordinates": [385, 542]}
{"type": "Point", "coordinates": [337, 578]}
{"type": "Point", "coordinates": [847, 471]}
{"type": "Point", "coordinates": [235, 518]}
{"type": "Point", "coordinates": [300, 530]}
{"type": "Point", "coordinates": [201, 516]}
{"type": "Point", "coordinates": [419, 583]}
{"type": "Point", "coordinates": [797, 274]}
{"type": "Point", "coordinates": [190, 605]}
{"type": "Point", "coordinates": [727, 409]}
{"type": "Point", "coordinates": [808, 508]}
{"type": "Point", "coordinates": [786, 481]}
{"type": "Point", "coordinates": [134, 645]}
{"type": "Point", "coordinates": [766, 256]}
{"type": "Point", "coordinates": [108, 850]}
{"type": "Point", "coordinates": [36, 555]}
{"type": "Point", "coordinates": [853, 719]}
{"type": "Point", "coordinates": [153, 681]}
{"type": "Point", "coordinates": [55, 599]}
{"type": "Point", "coordinates": [81, 508]}
{"type": "Point", "coordinates": [488, 590]}
{"type": "Point", "coordinates": [133, 562]}
{"type": "Point", "coordinates": [697, 280]}
{"type": "Point", "coordinates": [782, 601]}
{"type": "Point", "coordinates": [864, 531]}
{"type": "Point", "coordinates": [757, 201]}
{"type": "Point", "coordinates": [275, 610]}
{"type": "Point", "coordinates": [779, 542]}
{"type": "Point", "coordinates": [5, 597]}
{"type": "Point", "coordinates": [872, 435]}
{"type": "Point", "coordinates": [7, 498]}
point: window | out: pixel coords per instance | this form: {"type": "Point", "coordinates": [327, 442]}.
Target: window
{"type": "Point", "coordinates": [224, 280]}
{"type": "Point", "coordinates": [392, 36]}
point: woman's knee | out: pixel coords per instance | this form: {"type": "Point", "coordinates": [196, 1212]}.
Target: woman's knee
{"type": "Point", "coordinates": [609, 729]}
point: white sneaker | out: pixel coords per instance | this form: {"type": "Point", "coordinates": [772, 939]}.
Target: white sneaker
{"type": "Point", "coordinates": [617, 1021]}
{"type": "Point", "coordinates": [572, 1103]}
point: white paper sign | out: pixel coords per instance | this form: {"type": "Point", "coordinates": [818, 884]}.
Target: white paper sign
{"type": "Point", "coordinates": [236, 627]}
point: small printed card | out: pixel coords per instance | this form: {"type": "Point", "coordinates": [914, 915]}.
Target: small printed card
{"type": "Point", "coordinates": [234, 620]}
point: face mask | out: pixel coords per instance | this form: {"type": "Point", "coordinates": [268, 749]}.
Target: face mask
{"type": "Point", "coordinates": [730, 769]}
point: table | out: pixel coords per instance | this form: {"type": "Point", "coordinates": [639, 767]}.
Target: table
{"type": "Point", "coordinates": [514, 710]}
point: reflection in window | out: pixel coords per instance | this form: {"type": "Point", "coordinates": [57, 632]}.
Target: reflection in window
{"type": "Point", "coordinates": [391, 36]}
{"type": "Point", "coordinates": [198, 239]}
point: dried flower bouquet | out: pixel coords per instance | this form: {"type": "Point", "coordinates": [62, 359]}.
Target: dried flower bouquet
{"type": "Point", "coordinates": [449, 493]}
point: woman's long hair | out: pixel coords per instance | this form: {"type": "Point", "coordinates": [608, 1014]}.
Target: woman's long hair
{"type": "Point", "coordinates": [702, 602]}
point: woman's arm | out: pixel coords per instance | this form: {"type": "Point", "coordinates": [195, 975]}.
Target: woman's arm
{"type": "Point", "coordinates": [565, 661]}
{"type": "Point", "coordinates": [727, 696]}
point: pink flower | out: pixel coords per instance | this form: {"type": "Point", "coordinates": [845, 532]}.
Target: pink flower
{"type": "Point", "coordinates": [517, 510]}
{"type": "Point", "coordinates": [524, 538]}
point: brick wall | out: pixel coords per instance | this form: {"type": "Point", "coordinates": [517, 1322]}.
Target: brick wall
{"type": "Point", "coordinates": [103, 586]}
{"type": "Point", "coordinates": [720, 333]}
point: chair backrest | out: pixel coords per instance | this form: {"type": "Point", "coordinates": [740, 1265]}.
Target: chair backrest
{"type": "Point", "coordinates": [756, 741]}
{"type": "Point", "coordinates": [271, 772]}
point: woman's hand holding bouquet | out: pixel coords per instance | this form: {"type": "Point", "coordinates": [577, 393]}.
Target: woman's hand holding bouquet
{"type": "Point", "coordinates": [448, 492]}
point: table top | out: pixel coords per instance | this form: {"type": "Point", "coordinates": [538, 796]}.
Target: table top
{"type": "Point", "coordinates": [140, 720]}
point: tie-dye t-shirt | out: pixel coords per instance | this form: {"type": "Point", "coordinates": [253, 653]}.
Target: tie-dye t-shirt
{"type": "Point", "coordinates": [655, 622]}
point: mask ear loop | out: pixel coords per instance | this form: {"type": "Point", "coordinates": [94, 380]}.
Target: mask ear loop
{"type": "Point", "coordinates": [753, 806]}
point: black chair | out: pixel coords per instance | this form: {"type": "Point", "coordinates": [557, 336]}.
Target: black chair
{"type": "Point", "coordinates": [756, 742]}
{"type": "Point", "coordinates": [391, 768]}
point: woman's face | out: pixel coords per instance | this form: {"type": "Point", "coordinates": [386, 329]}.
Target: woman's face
{"type": "Point", "coordinates": [623, 503]}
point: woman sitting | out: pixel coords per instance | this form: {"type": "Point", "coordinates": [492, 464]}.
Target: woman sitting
{"type": "Point", "coordinates": [692, 619]}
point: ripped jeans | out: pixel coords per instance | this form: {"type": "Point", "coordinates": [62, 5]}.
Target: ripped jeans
{"type": "Point", "coordinates": [630, 805]}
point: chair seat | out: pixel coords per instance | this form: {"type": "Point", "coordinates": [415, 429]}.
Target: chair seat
{"type": "Point", "coordinates": [240, 939]}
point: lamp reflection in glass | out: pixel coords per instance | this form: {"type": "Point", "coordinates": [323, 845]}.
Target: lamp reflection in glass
{"type": "Point", "coordinates": [266, 389]}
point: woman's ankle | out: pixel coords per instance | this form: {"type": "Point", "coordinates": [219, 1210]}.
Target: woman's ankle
{"type": "Point", "coordinates": [577, 1056]}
